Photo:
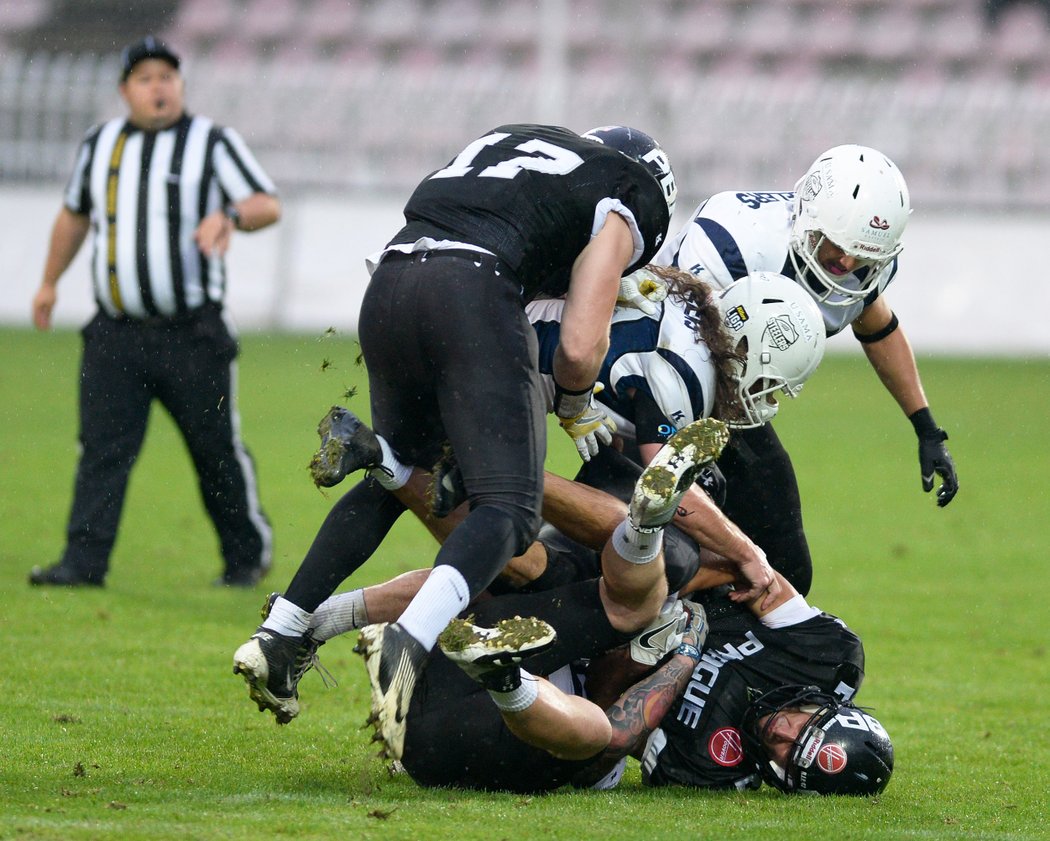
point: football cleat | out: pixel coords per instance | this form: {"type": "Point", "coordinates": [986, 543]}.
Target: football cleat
{"type": "Point", "coordinates": [347, 444]}
{"type": "Point", "coordinates": [394, 660]}
{"type": "Point", "coordinates": [674, 469]}
{"type": "Point", "coordinates": [491, 655]}
{"type": "Point", "coordinates": [272, 665]}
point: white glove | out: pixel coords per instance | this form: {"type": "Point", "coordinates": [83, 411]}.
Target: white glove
{"type": "Point", "coordinates": [663, 636]}
{"type": "Point", "coordinates": [588, 424]}
{"type": "Point", "coordinates": [642, 290]}
{"type": "Point", "coordinates": [696, 629]}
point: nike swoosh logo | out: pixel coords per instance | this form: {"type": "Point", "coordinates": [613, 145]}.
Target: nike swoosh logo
{"type": "Point", "coordinates": [646, 639]}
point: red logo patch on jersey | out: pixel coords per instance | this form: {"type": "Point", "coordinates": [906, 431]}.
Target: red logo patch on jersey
{"type": "Point", "coordinates": [725, 747]}
{"type": "Point", "coordinates": [831, 759]}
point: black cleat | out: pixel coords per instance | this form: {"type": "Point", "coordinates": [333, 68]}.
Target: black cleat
{"type": "Point", "coordinates": [394, 660]}
{"type": "Point", "coordinates": [347, 444]}
{"type": "Point", "coordinates": [272, 665]}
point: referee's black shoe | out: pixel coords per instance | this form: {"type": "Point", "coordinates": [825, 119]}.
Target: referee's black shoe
{"type": "Point", "coordinates": [347, 444]}
{"type": "Point", "coordinates": [61, 575]}
{"type": "Point", "coordinates": [246, 577]}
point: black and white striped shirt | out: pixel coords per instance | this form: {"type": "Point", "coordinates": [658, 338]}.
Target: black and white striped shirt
{"type": "Point", "coordinates": [146, 192]}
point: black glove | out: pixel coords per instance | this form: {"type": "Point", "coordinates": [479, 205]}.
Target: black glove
{"type": "Point", "coordinates": [934, 458]}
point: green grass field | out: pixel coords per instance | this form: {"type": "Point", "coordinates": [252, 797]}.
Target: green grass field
{"type": "Point", "coordinates": [121, 718]}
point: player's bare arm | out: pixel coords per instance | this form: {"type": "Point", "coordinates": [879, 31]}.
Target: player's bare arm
{"type": "Point", "coordinates": [589, 304]}
{"type": "Point", "coordinates": [891, 356]}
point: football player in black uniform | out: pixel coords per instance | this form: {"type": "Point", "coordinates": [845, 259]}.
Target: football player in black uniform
{"type": "Point", "coordinates": [524, 210]}
{"type": "Point", "coordinates": [768, 695]}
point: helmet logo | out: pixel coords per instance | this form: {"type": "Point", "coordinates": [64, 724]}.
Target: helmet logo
{"type": "Point", "coordinates": [831, 759]}
{"type": "Point", "coordinates": [725, 747]}
{"type": "Point", "coordinates": [781, 332]}
{"type": "Point", "coordinates": [736, 318]}
{"type": "Point", "coordinates": [878, 222]}
{"type": "Point", "coordinates": [811, 187]}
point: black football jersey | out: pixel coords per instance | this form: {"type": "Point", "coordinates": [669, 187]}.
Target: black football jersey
{"type": "Point", "coordinates": [531, 194]}
{"type": "Point", "coordinates": [699, 742]}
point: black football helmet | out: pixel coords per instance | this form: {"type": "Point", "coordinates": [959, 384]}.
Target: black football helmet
{"type": "Point", "coordinates": [841, 749]}
{"type": "Point", "coordinates": [642, 148]}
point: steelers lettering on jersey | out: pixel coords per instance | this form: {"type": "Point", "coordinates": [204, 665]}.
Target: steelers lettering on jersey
{"type": "Point", "coordinates": [756, 200]}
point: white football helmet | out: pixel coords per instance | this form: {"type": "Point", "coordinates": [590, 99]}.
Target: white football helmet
{"type": "Point", "coordinates": [776, 326]}
{"type": "Point", "coordinates": [856, 198]}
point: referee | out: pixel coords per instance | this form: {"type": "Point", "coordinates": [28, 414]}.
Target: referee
{"type": "Point", "coordinates": [160, 193]}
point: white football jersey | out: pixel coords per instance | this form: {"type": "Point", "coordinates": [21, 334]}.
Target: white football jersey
{"type": "Point", "coordinates": [658, 355]}
{"type": "Point", "coordinates": [735, 233]}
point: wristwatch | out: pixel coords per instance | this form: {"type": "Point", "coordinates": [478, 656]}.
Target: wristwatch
{"type": "Point", "coordinates": [233, 215]}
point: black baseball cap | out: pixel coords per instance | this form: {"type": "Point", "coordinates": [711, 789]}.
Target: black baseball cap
{"type": "Point", "coordinates": [148, 47]}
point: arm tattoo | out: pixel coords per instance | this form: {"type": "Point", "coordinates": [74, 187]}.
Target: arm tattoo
{"type": "Point", "coordinates": [642, 707]}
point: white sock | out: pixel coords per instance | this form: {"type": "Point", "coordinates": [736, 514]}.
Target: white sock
{"type": "Point", "coordinates": [392, 474]}
{"type": "Point", "coordinates": [339, 614]}
{"type": "Point", "coordinates": [518, 699]}
{"type": "Point", "coordinates": [287, 619]}
{"type": "Point", "coordinates": [637, 547]}
{"type": "Point", "coordinates": [443, 595]}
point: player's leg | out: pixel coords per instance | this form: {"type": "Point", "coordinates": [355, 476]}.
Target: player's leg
{"type": "Point", "coordinates": [269, 660]}
{"type": "Point", "coordinates": [762, 498]}
{"type": "Point", "coordinates": [493, 415]}
{"type": "Point", "coordinates": [361, 519]}
{"type": "Point", "coordinates": [114, 410]}
{"type": "Point", "coordinates": [633, 576]}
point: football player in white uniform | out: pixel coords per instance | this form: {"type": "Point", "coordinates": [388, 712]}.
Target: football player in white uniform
{"type": "Point", "coordinates": [838, 235]}
{"type": "Point", "coordinates": [694, 354]}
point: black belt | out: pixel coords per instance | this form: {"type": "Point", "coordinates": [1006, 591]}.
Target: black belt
{"type": "Point", "coordinates": [489, 262]}
{"type": "Point", "coordinates": [177, 320]}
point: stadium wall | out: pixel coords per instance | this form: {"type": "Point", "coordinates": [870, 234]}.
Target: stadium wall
{"type": "Point", "coordinates": [967, 279]}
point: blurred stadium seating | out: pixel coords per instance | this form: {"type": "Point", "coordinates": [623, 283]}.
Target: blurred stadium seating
{"type": "Point", "coordinates": [373, 93]}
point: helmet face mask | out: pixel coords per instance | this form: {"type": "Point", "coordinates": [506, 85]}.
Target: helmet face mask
{"type": "Point", "coordinates": [778, 330]}
{"type": "Point", "coordinates": [641, 147]}
{"type": "Point", "coordinates": [840, 749]}
{"type": "Point", "coordinates": [855, 199]}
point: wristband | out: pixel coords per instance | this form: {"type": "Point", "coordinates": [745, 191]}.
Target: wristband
{"type": "Point", "coordinates": [231, 213]}
{"type": "Point", "coordinates": [571, 404]}
{"type": "Point", "coordinates": [690, 651]}
{"type": "Point", "coordinates": [923, 422]}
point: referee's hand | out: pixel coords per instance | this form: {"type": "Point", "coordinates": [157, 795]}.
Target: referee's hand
{"type": "Point", "coordinates": [213, 234]}
{"type": "Point", "coordinates": [43, 304]}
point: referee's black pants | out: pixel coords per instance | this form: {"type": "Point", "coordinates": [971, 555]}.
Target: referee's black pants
{"type": "Point", "coordinates": [188, 366]}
